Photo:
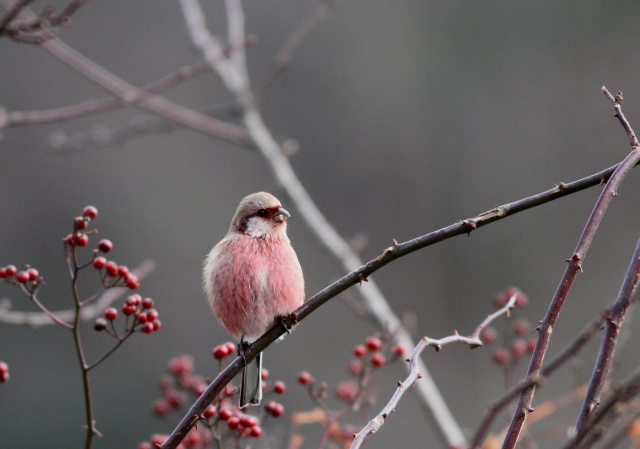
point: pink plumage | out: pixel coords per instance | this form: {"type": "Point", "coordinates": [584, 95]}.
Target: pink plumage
{"type": "Point", "coordinates": [253, 276]}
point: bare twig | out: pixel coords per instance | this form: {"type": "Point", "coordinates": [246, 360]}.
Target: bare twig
{"type": "Point", "coordinates": [414, 372]}
{"type": "Point", "coordinates": [574, 266]}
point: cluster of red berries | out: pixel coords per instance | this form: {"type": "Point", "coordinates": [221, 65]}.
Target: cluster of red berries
{"type": "Point", "coordinates": [372, 353]}
{"type": "Point", "coordinates": [80, 224]}
{"type": "Point", "coordinates": [145, 317]}
{"type": "Point", "coordinates": [29, 277]}
{"type": "Point", "coordinates": [111, 273]}
{"type": "Point", "coordinates": [517, 343]}
{"type": "Point", "coordinates": [198, 438]}
{"type": "Point", "coordinates": [182, 380]}
{"type": "Point", "coordinates": [4, 372]}
{"type": "Point", "coordinates": [369, 356]}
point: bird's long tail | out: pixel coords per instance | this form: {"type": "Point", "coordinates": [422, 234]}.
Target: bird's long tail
{"type": "Point", "coordinates": [251, 388]}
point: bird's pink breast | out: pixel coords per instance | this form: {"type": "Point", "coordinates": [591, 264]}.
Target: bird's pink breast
{"type": "Point", "coordinates": [253, 280]}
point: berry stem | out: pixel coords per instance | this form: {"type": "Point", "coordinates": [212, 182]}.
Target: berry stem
{"type": "Point", "coordinates": [72, 261]}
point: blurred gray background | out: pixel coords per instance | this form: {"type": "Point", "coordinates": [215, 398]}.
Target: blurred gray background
{"type": "Point", "coordinates": [410, 115]}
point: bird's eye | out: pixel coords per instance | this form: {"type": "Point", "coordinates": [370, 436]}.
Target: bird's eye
{"type": "Point", "coordinates": [262, 213]}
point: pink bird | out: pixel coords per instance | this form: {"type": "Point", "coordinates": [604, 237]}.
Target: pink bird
{"type": "Point", "coordinates": [252, 277]}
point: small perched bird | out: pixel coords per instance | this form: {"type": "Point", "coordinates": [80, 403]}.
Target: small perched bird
{"type": "Point", "coordinates": [252, 277]}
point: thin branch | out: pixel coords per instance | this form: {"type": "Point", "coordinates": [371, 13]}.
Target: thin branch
{"type": "Point", "coordinates": [608, 347]}
{"type": "Point", "coordinates": [607, 413]}
{"type": "Point", "coordinates": [414, 372]}
{"type": "Point", "coordinates": [106, 104]}
{"type": "Point", "coordinates": [284, 56]}
{"type": "Point", "coordinates": [574, 266]}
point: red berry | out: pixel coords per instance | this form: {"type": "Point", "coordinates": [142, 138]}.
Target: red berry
{"type": "Point", "coordinates": [500, 356]}
{"type": "Point", "coordinates": [90, 212]}
{"type": "Point", "coordinates": [220, 352]}
{"type": "Point", "coordinates": [355, 367]}
{"type": "Point", "coordinates": [500, 300]}
{"type": "Point", "coordinates": [225, 413]}
{"type": "Point", "coordinates": [82, 239]}
{"type": "Point", "coordinates": [279, 387]}
{"type": "Point", "coordinates": [132, 282]}
{"type": "Point", "coordinates": [209, 411]}
{"type": "Point", "coordinates": [255, 431]}
{"type": "Point", "coordinates": [181, 365]}
{"type": "Point", "coordinates": [4, 377]}
{"type": "Point", "coordinates": [399, 350]}
{"type": "Point", "coordinates": [142, 317]}
{"type": "Point", "coordinates": [373, 343]}
{"type": "Point", "coordinates": [33, 274]}
{"type": "Point", "coordinates": [518, 348]}
{"type": "Point", "coordinates": [160, 407]}
{"type": "Point", "coordinates": [105, 245]}
{"type": "Point", "coordinates": [134, 299]}
{"type": "Point", "coordinates": [79, 223]}
{"type": "Point", "coordinates": [147, 303]}
{"type": "Point", "coordinates": [152, 315]}
{"type": "Point", "coordinates": [99, 263]}
{"type": "Point", "coordinates": [359, 351]}
{"type": "Point", "coordinates": [274, 408]}
{"type": "Point", "coordinates": [377, 359]}
{"type": "Point", "coordinates": [3, 272]}
{"type": "Point", "coordinates": [147, 328]}
{"type": "Point", "coordinates": [111, 314]}
{"type": "Point", "coordinates": [100, 324]}
{"type": "Point", "coordinates": [11, 270]}
{"type": "Point", "coordinates": [531, 345]}
{"type": "Point", "coordinates": [156, 325]}
{"type": "Point", "coordinates": [112, 268]}
{"type": "Point", "coordinates": [230, 347]}
{"type": "Point", "coordinates": [4, 368]}
{"type": "Point", "coordinates": [488, 335]}
{"type": "Point", "coordinates": [69, 239]}
{"type": "Point", "coordinates": [22, 277]}
{"type": "Point", "coordinates": [521, 327]}
{"type": "Point", "coordinates": [249, 421]}
{"type": "Point", "coordinates": [305, 378]}
{"type": "Point", "coordinates": [127, 309]}
{"type": "Point", "coordinates": [123, 270]}
{"type": "Point", "coordinates": [264, 374]}
{"type": "Point", "coordinates": [346, 390]}
{"type": "Point", "coordinates": [233, 422]}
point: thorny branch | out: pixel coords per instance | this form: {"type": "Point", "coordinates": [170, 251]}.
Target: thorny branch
{"type": "Point", "coordinates": [574, 266]}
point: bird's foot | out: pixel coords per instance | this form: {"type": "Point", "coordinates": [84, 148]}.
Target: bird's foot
{"type": "Point", "coordinates": [288, 322]}
{"type": "Point", "coordinates": [242, 349]}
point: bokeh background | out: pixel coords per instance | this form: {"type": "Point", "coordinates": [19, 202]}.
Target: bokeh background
{"type": "Point", "coordinates": [410, 115]}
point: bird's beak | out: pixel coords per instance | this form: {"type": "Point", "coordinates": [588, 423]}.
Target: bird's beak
{"type": "Point", "coordinates": [281, 215]}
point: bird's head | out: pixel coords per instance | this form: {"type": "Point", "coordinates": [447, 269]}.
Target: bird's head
{"type": "Point", "coordinates": [260, 215]}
